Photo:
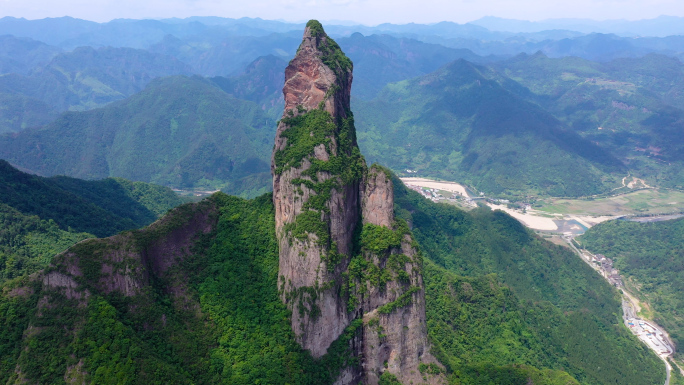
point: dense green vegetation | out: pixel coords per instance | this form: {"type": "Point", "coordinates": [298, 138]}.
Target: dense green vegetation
{"type": "Point", "coordinates": [102, 207]}
{"type": "Point", "coordinates": [87, 78]}
{"type": "Point", "coordinates": [651, 257]}
{"type": "Point", "coordinates": [41, 217]}
{"type": "Point", "coordinates": [524, 323]}
{"type": "Point", "coordinates": [181, 132]}
{"type": "Point", "coordinates": [458, 124]}
{"type": "Point", "coordinates": [631, 107]}
{"type": "Point", "coordinates": [27, 243]}
{"type": "Point", "coordinates": [229, 326]}
{"type": "Point", "coordinates": [497, 295]}
{"type": "Point", "coordinates": [332, 54]}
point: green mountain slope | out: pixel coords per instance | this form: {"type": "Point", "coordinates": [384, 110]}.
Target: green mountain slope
{"type": "Point", "coordinates": [18, 112]}
{"type": "Point", "coordinates": [102, 207]}
{"type": "Point", "coordinates": [651, 257]}
{"type": "Point", "coordinates": [43, 216]}
{"type": "Point", "coordinates": [227, 325]}
{"type": "Point", "coordinates": [214, 315]}
{"type": "Point", "coordinates": [459, 123]}
{"type": "Point", "coordinates": [87, 78]}
{"type": "Point", "coordinates": [180, 132]}
{"type": "Point", "coordinates": [632, 108]}
{"type": "Point", "coordinates": [261, 82]}
{"type": "Point", "coordinates": [500, 295]}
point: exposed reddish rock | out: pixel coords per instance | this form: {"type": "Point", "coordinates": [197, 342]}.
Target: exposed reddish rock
{"type": "Point", "coordinates": [308, 84]}
{"type": "Point", "coordinates": [309, 286]}
{"type": "Point", "coordinates": [308, 80]}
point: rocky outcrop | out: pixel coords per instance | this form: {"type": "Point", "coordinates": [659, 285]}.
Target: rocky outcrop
{"type": "Point", "coordinates": [309, 270]}
{"type": "Point", "coordinates": [124, 263]}
{"type": "Point", "coordinates": [343, 256]}
{"type": "Point", "coordinates": [378, 197]}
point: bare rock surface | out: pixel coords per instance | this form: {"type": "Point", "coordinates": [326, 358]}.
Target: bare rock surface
{"type": "Point", "coordinates": [321, 198]}
{"type": "Point", "coordinates": [378, 198]}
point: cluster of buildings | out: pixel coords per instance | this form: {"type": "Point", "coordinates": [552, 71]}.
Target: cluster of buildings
{"type": "Point", "coordinates": [435, 195]}
{"type": "Point", "coordinates": [428, 193]}
{"type": "Point", "coordinates": [607, 269]}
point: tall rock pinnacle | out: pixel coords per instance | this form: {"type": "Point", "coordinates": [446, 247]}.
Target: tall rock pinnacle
{"type": "Point", "coordinates": [345, 263]}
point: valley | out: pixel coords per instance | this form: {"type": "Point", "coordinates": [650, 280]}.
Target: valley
{"type": "Point", "coordinates": [576, 218]}
{"type": "Point", "coordinates": [417, 219]}
{"type": "Point", "coordinates": [562, 215]}
{"type": "Point", "coordinates": [640, 324]}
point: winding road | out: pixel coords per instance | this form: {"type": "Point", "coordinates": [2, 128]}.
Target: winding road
{"type": "Point", "coordinates": [653, 336]}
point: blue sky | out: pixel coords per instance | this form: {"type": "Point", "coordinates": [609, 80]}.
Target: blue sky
{"type": "Point", "coordinates": [368, 12]}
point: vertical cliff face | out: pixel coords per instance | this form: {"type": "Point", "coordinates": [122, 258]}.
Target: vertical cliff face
{"type": "Point", "coordinates": [317, 169]}
{"type": "Point", "coordinates": [343, 257]}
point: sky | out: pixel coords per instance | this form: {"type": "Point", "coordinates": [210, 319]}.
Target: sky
{"type": "Point", "coordinates": [369, 12]}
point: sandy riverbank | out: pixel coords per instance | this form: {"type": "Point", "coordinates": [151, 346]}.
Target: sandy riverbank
{"type": "Point", "coordinates": [531, 221]}
{"type": "Point", "coordinates": [438, 185]}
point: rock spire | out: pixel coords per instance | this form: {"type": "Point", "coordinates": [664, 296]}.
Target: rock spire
{"type": "Point", "coordinates": [345, 263]}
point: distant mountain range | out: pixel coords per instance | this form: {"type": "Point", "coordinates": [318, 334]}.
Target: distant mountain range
{"type": "Point", "coordinates": [660, 26]}
{"type": "Point", "coordinates": [514, 127]}
{"type": "Point", "coordinates": [459, 123]}
{"type": "Point", "coordinates": [407, 79]}
{"type": "Point", "coordinates": [180, 131]}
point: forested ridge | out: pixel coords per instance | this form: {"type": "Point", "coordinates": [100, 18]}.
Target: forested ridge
{"type": "Point", "coordinates": [498, 294]}
{"type": "Point", "coordinates": [503, 306]}
{"type": "Point", "coordinates": [180, 131]}
{"type": "Point", "coordinates": [651, 258]}
{"type": "Point", "coordinates": [43, 216]}
{"type": "Point", "coordinates": [460, 124]}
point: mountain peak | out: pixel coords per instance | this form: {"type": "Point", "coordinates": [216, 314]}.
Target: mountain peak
{"type": "Point", "coordinates": [319, 76]}
{"type": "Point", "coordinates": [330, 212]}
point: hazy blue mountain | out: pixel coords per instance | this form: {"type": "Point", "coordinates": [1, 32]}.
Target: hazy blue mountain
{"type": "Point", "coordinates": [18, 112]}
{"type": "Point", "coordinates": [226, 55]}
{"type": "Point", "coordinates": [261, 82]}
{"type": "Point", "coordinates": [382, 59]}
{"type": "Point", "coordinates": [631, 107]}
{"type": "Point", "coordinates": [131, 33]}
{"type": "Point", "coordinates": [86, 78]}
{"type": "Point", "coordinates": [180, 132]}
{"type": "Point", "coordinates": [69, 33]}
{"type": "Point", "coordinates": [21, 55]}
{"type": "Point", "coordinates": [660, 26]}
{"type": "Point", "coordinates": [52, 31]}
{"type": "Point", "coordinates": [594, 46]}
{"type": "Point", "coordinates": [251, 24]}
{"type": "Point", "coordinates": [460, 123]}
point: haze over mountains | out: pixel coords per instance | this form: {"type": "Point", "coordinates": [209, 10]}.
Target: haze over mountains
{"type": "Point", "coordinates": [603, 101]}
{"type": "Point", "coordinates": [341, 275]}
